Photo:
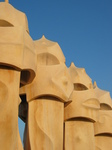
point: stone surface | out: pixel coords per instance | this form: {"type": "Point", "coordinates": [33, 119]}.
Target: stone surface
{"type": "Point", "coordinates": [60, 106]}
{"type": "Point", "coordinates": [104, 123]}
{"type": "Point", "coordinates": [81, 113]}
{"type": "Point", "coordinates": [84, 104]}
{"type": "Point", "coordinates": [54, 80]}
{"type": "Point", "coordinates": [103, 142]}
{"type": "Point", "coordinates": [45, 124]}
{"type": "Point", "coordinates": [79, 117]}
{"type": "Point", "coordinates": [16, 46]}
{"type": "Point", "coordinates": [103, 127]}
{"type": "Point", "coordinates": [17, 67]}
{"type": "Point", "coordinates": [48, 52]}
{"type": "Point", "coordinates": [104, 98]}
{"type": "Point", "coordinates": [15, 19]}
{"type": "Point", "coordinates": [80, 78]}
{"type": "Point", "coordinates": [9, 93]}
{"type": "Point", "coordinates": [79, 135]}
{"type": "Point", "coordinates": [46, 96]}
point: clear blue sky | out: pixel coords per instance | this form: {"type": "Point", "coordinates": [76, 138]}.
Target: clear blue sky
{"type": "Point", "coordinates": [83, 29]}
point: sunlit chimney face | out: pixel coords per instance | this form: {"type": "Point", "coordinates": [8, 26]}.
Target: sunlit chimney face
{"type": "Point", "coordinates": [80, 78]}
{"type": "Point", "coordinates": [57, 78]}
{"type": "Point", "coordinates": [48, 52]}
{"type": "Point", "coordinates": [15, 19]}
{"type": "Point", "coordinates": [84, 105]}
{"type": "Point", "coordinates": [104, 123]}
{"type": "Point", "coordinates": [79, 87]}
{"type": "Point", "coordinates": [4, 92]}
{"type": "Point", "coordinates": [47, 59]}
